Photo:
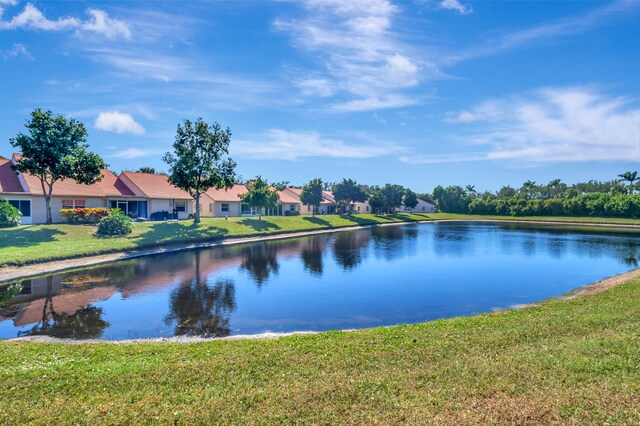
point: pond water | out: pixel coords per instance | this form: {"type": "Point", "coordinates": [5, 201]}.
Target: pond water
{"type": "Point", "coordinates": [353, 279]}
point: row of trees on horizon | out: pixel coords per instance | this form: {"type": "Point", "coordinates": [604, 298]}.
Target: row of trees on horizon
{"type": "Point", "coordinates": [615, 198]}
{"type": "Point", "coordinates": [56, 148]}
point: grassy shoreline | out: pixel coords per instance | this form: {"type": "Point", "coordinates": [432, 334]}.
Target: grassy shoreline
{"type": "Point", "coordinates": [43, 243]}
{"type": "Point", "coordinates": [563, 361]}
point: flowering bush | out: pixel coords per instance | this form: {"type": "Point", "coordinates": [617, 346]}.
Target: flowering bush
{"type": "Point", "coordinates": [84, 215]}
{"type": "Point", "coordinates": [9, 215]}
{"type": "Point", "coordinates": [115, 224]}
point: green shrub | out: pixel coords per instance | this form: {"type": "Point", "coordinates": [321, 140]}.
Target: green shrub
{"type": "Point", "coordinates": [84, 215]}
{"type": "Point", "coordinates": [115, 224]}
{"type": "Point", "coordinates": [9, 215]}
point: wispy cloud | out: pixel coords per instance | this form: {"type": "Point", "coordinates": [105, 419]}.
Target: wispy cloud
{"type": "Point", "coordinates": [550, 30]}
{"type": "Point", "coordinates": [119, 122]}
{"type": "Point", "coordinates": [131, 153]}
{"type": "Point", "coordinates": [16, 51]}
{"type": "Point", "coordinates": [456, 5]}
{"type": "Point", "coordinates": [359, 55]}
{"type": "Point", "coordinates": [288, 145]}
{"type": "Point", "coordinates": [570, 124]}
{"type": "Point", "coordinates": [99, 22]}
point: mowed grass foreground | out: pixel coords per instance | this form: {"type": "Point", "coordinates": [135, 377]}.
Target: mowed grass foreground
{"type": "Point", "coordinates": [41, 243]}
{"type": "Point", "coordinates": [570, 362]}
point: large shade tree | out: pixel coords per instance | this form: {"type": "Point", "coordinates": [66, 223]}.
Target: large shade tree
{"type": "Point", "coordinates": [55, 149]}
{"type": "Point", "coordinates": [260, 196]}
{"type": "Point", "coordinates": [311, 195]}
{"type": "Point", "coordinates": [199, 160]}
{"type": "Point", "coordinates": [410, 199]}
{"type": "Point", "coordinates": [348, 192]}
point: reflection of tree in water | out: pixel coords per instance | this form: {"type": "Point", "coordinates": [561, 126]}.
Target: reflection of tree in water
{"type": "Point", "coordinates": [200, 309]}
{"type": "Point", "coordinates": [86, 323]}
{"type": "Point", "coordinates": [392, 241]}
{"type": "Point", "coordinates": [348, 248]}
{"type": "Point", "coordinates": [260, 261]}
{"type": "Point", "coordinates": [311, 250]}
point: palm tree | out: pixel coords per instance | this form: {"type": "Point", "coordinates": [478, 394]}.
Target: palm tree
{"type": "Point", "coordinates": [629, 177]}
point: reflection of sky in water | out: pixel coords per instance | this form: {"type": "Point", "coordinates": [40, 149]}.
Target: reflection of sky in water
{"type": "Point", "coordinates": [383, 276]}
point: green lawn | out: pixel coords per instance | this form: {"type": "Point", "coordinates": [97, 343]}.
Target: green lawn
{"type": "Point", "coordinates": [569, 362]}
{"type": "Point", "coordinates": [39, 243]}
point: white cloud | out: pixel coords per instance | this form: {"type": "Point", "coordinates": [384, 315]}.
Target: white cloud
{"type": "Point", "coordinates": [444, 158]}
{"type": "Point", "coordinates": [131, 153]}
{"type": "Point", "coordinates": [286, 145]}
{"type": "Point", "coordinates": [369, 104]}
{"type": "Point", "coordinates": [100, 22]}
{"type": "Point", "coordinates": [18, 50]}
{"type": "Point", "coordinates": [456, 5]}
{"type": "Point", "coordinates": [357, 51]}
{"type": "Point", "coordinates": [119, 122]}
{"type": "Point", "coordinates": [571, 124]}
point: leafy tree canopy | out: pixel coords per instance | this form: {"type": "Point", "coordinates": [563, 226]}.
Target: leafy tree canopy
{"type": "Point", "coordinates": [54, 149]}
{"type": "Point", "coordinates": [410, 199]}
{"type": "Point", "coordinates": [199, 160]}
{"type": "Point", "coordinates": [260, 195]}
{"type": "Point", "coordinates": [312, 194]}
{"type": "Point", "coordinates": [348, 192]}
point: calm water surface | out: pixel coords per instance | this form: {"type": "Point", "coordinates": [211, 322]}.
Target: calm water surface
{"type": "Point", "coordinates": [382, 276]}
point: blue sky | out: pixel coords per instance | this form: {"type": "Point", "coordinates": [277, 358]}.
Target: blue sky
{"type": "Point", "coordinates": [419, 93]}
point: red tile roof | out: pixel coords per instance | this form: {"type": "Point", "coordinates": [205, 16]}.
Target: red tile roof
{"type": "Point", "coordinates": [227, 195]}
{"type": "Point", "coordinates": [9, 181]}
{"type": "Point", "coordinates": [156, 186]}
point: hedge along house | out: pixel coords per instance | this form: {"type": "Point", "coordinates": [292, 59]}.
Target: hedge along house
{"type": "Point", "coordinates": [152, 194]}
{"type": "Point", "coordinates": [25, 192]}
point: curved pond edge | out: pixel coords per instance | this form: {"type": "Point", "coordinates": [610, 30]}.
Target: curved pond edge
{"type": "Point", "coordinates": [13, 273]}
{"type": "Point", "coordinates": [593, 288]}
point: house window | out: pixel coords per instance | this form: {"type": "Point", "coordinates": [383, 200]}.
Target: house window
{"type": "Point", "coordinates": [245, 209]}
{"type": "Point", "coordinates": [367, 208]}
{"type": "Point", "coordinates": [73, 204]}
{"type": "Point", "coordinates": [23, 205]}
{"type": "Point", "coordinates": [293, 207]}
{"type": "Point", "coordinates": [210, 207]}
{"type": "Point", "coordinates": [181, 206]}
{"type": "Point", "coordinates": [224, 207]}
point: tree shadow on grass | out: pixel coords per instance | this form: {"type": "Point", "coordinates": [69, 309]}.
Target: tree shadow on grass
{"type": "Point", "coordinates": [259, 225]}
{"type": "Point", "coordinates": [318, 221]}
{"type": "Point", "coordinates": [174, 232]}
{"type": "Point", "coordinates": [26, 236]}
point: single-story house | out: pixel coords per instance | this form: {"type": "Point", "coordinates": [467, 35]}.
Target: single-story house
{"type": "Point", "coordinates": [327, 205]}
{"type": "Point", "coordinates": [137, 194]}
{"type": "Point", "coordinates": [422, 207]}
{"type": "Point", "coordinates": [223, 202]}
{"type": "Point", "coordinates": [226, 202]}
{"type": "Point", "coordinates": [152, 193]}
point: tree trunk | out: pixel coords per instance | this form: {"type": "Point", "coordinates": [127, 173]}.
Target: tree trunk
{"type": "Point", "coordinates": [47, 204]}
{"type": "Point", "coordinates": [196, 218]}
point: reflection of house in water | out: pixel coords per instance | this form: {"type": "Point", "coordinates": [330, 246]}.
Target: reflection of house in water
{"type": "Point", "coordinates": [55, 300]}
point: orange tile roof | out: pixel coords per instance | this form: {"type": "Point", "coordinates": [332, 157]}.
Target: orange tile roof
{"type": "Point", "coordinates": [9, 181]}
{"type": "Point", "coordinates": [227, 195]}
{"type": "Point", "coordinates": [298, 191]}
{"type": "Point", "coordinates": [287, 198]}
{"type": "Point", "coordinates": [108, 186]}
{"type": "Point", "coordinates": [156, 186]}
